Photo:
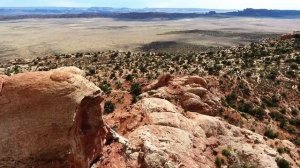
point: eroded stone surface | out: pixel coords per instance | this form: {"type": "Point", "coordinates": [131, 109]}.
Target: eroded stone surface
{"type": "Point", "coordinates": [191, 139]}
{"type": "Point", "coordinates": [37, 114]}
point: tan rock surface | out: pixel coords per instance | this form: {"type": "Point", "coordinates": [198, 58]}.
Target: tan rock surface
{"type": "Point", "coordinates": [47, 117]}
{"type": "Point", "coordinates": [191, 140]}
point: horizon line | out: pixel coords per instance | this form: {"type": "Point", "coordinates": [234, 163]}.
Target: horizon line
{"type": "Point", "coordinates": [137, 8]}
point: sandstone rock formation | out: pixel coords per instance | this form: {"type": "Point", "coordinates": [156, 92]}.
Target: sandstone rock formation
{"type": "Point", "coordinates": [50, 119]}
{"type": "Point", "coordinates": [161, 81]}
{"type": "Point", "coordinates": [192, 92]}
{"type": "Point", "coordinates": [172, 136]}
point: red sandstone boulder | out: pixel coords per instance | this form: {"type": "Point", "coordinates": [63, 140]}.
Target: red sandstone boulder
{"type": "Point", "coordinates": [50, 119]}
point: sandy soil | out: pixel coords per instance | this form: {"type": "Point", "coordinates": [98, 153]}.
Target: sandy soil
{"type": "Point", "coordinates": [40, 37]}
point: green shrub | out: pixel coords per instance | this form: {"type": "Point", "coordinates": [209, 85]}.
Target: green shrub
{"type": "Point", "coordinates": [291, 129]}
{"type": "Point", "coordinates": [91, 71]}
{"type": "Point", "coordinates": [218, 162]}
{"type": "Point", "coordinates": [283, 123]}
{"type": "Point", "coordinates": [295, 112]}
{"type": "Point", "coordinates": [271, 101]}
{"type": "Point", "coordinates": [106, 87]}
{"type": "Point", "coordinates": [296, 141]}
{"type": "Point", "coordinates": [291, 74]}
{"type": "Point", "coordinates": [282, 150]}
{"type": "Point", "coordinates": [129, 77]}
{"type": "Point", "coordinates": [109, 107]}
{"type": "Point", "coordinates": [271, 134]}
{"type": "Point", "coordinates": [226, 152]}
{"type": "Point", "coordinates": [135, 99]}
{"type": "Point", "coordinates": [214, 70]}
{"type": "Point", "coordinates": [277, 116]}
{"type": "Point", "coordinates": [135, 89]}
{"type": "Point", "coordinates": [245, 107]}
{"type": "Point", "coordinates": [295, 122]}
{"type": "Point", "coordinates": [282, 163]}
{"type": "Point", "coordinates": [248, 108]}
{"type": "Point", "coordinates": [231, 99]}
{"type": "Point", "coordinates": [143, 69]}
{"type": "Point", "coordinates": [259, 112]}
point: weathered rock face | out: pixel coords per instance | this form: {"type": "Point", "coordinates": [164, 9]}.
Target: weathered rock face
{"type": "Point", "coordinates": [50, 119]}
{"type": "Point", "coordinates": [173, 138]}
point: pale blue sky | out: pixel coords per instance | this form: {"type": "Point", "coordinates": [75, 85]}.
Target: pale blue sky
{"type": "Point", "coordinates": [215, 4]}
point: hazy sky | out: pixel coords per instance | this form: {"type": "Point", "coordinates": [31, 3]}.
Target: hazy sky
{"type": "Point", "coordinates": [216, 4]}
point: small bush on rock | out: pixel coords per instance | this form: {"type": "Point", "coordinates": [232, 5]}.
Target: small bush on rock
{"type": "Point", "coordinates": [282, 163]}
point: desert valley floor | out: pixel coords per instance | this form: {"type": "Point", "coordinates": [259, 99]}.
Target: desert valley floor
{"type": "Point", "coordinates": [32, 38]}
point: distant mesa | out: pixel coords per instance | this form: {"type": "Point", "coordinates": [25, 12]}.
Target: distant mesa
{"type": "Point", "coordinates": [139, 14]}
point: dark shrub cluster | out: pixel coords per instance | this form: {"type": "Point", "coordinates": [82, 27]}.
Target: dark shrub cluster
{"type": "Point", "coordinates": [282, 163]}
{"type": "Point", "coordinates": [248, 108]}
{"type": "Point", "coordinates": [136, 89]}
{"type": "Point", "coordinates": [109, 107]}
{"type": "Point", "coordinates": [271, 101]}
{"type": "Point", "coordinates": [277, 116]}
{"type": "Point", "coordinates": [231, 99]}
{"type": "Point", "coordinates": [106, 87]}
{"type": "Point", "coordinates": [270, 133]}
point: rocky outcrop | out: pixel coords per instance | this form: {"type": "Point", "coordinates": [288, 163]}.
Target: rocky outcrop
{"type": "Point", "coordinates": [50, 119]}
{"type": "Point", "coordinates": [162, 80]}
{"type": "Point", "coordinates": [192, 92]}
{"type": "Point", "coordinates": [180, 130]}
{"type": "Point", "coordinates": [173, 138]}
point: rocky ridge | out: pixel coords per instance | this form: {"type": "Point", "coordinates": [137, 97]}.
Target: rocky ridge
{"type": "Point", "coordinates": [170, 135]}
